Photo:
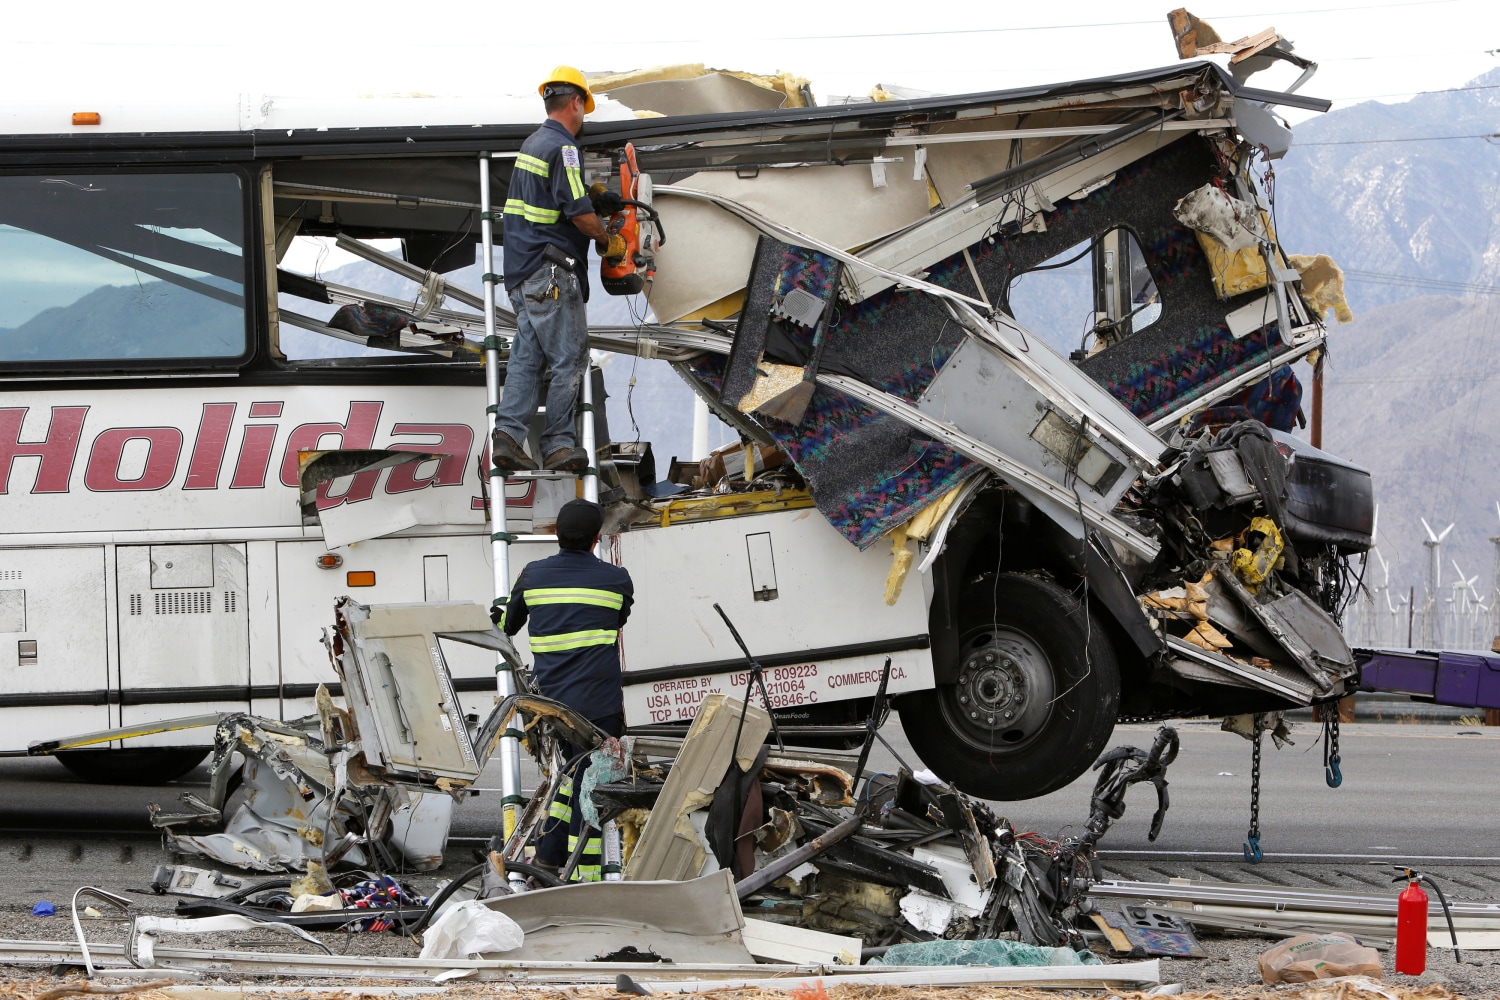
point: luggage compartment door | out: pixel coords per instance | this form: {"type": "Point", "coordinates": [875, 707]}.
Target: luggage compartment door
{"type": "Point", "coordinates": [54, 659]}
{"type": "Point", "coordinates": [184, 634]}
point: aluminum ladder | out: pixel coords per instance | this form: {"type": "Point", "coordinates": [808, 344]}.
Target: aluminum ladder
{"type": "Point", "coordinates": [501, 538]}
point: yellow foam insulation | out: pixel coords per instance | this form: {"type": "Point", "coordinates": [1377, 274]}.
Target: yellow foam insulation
{"type": "Point", "coordinates": [1235, 272]}
{"type": "Point", "coordinates": [725, 308]}
{"type": "Point", "coordinates": [1193, 602]}
{"type": "Point", "coordinates": [1252, 567]}
{"type": "Point", "coordinates": [785, 84]}
{"type": "Point", "coordinates": [915, 530]}
{"type": "Point", "coordinates": [771, 381]}
{"type": "Point", "coordinates": [1205, 636]}
{"type": "Point", "coordinates": [1322, 285]}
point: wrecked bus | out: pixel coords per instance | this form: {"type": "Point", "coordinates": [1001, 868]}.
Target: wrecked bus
{"type": "Point", "coordinates": [1026, 544]}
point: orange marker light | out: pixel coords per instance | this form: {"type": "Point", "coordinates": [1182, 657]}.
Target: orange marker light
{"type": "Point", "coordinates": [86, 118]}
{"type": "Point", "coordinates": [330, 560]}
{"type": "Point", "coordinates": [361, 578]}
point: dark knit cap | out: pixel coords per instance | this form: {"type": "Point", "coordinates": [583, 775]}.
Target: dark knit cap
{"type": "Point", "coordinates": [578, 524]}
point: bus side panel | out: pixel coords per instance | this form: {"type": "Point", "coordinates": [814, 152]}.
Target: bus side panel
{"type": "Point", "coordinates": [443, 567]}
{"type": "Point", "coordinates": [54, 666]}
{"type": "Point", "coordinates": [799, 594]}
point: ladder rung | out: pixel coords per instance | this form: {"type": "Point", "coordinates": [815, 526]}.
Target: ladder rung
{"type": "Point", "coordinates": [533, 538]}
{"type": "Point", "coordinates": [541, 474]}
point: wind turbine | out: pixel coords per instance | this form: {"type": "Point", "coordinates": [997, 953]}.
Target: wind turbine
{"type": "Point", "coordinates": [1434, 559]}
{"type": "Point", "coordinates": [1384, 589]}
{"type": "Point", "coordinates": [1433, 618]}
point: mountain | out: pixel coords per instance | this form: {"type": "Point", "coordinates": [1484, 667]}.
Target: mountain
{"type": "Point", "coordinates": [1371, 187]}
{"type": "Point", "coordinates": [1411, 392]}
{"type": "Point", "coordinates": [1412, 381]}
{"type": "Point", "coordinates": [151, 319]}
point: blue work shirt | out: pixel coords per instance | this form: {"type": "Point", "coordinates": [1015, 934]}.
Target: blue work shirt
{"type": "Point", "coordinates": [546, 191]}
{"type": "Point", "coordinates": [576, 604]}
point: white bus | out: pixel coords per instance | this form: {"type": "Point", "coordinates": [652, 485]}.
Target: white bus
{"type": "Point", "coordinates": [208, 432]}
{"type": "Point", "coordinates": [155, 557]}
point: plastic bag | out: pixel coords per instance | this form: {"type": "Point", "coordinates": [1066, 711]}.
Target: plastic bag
{"type": "Point", "coordinates": [1306, 957]}
{"type": "Point", "coordinates": [468, 929]}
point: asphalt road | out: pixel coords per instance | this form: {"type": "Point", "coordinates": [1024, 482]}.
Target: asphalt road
{"type": "Point", "coordinates": [1423, 794]}
{"type": "Point", "coordinates": [1410, 792]}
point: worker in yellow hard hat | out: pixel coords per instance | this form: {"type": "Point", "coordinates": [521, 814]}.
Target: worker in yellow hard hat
{"type": "Point", "coordinates": [550, 217]}
{"type": "Point", "coordinates": [564, 77]}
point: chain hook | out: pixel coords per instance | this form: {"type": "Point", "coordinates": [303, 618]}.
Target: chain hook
{"type": "Point", "coordinates": [1331, 760]}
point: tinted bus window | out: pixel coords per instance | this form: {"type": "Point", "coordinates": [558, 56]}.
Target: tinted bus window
{"type": "Point", "coordinates": [121, 267]}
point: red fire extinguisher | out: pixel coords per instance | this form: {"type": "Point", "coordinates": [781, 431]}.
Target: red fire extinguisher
{"type": "Point", "coordinates": [1411, 928]}
{"type": "Point", "coordinates": [1411, 922]}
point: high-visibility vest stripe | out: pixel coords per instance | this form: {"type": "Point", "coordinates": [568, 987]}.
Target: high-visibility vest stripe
{"type": "Point", "coordinates": [575, 180]}
{"type": "Point", "coordinates": [574, 640]}
{"type": "Point", "coordinates": [574, 595]}
{"type": "Point", "coordinates": [534, 165]}
{"type": "Point", "coordinates": [532, 213]}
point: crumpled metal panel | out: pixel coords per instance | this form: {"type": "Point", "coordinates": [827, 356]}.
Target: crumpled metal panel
{"type": "Point", "coordinates": [694, 921]}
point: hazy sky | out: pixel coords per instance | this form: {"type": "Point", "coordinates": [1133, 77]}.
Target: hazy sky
{"type": "Point", "coordinates": [161, 50]}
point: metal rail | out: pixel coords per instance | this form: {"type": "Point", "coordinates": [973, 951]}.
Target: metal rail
{"type": "Point", "coordinates": [1284, 900]}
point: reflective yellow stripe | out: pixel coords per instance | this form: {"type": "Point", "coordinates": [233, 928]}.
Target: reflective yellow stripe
{"type": "Point", "coordinates": [573, 640]}
{"type": "Point", "coordinates": [575, 175]}
{"type": "Point", "coordinates": [560, 810]}
{"type": "Point", "coordinates": [532, 165]}
{"type": "Point", "coordinates": [574, 595]}
{"type": "Point", "coordinates": [588, 873]}
{"type": "Point", "coordinates": [594, 845]}
{"type": "Point", "coordinates": [542, 216]}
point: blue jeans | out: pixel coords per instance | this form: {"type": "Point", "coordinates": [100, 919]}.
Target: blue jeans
{"type": "Point", "coordinates": [552, 334]}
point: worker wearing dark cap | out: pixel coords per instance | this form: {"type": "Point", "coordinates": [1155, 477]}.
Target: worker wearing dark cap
{"type": "Point", "coordinates": [575, 604]}
{"type": "Point", "coordinates": [550, 217]}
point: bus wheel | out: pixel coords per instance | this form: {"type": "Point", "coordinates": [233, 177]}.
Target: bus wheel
{"type": "Point", "coordinates": [1036, 697]}
{"type": "Point", "coordinates": [140, 766]}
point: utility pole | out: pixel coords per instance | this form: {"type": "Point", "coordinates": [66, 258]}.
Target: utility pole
{"type": "Point", "coordinates": [1315, 427]}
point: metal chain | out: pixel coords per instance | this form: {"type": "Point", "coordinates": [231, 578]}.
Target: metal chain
{"type": "Point", "coordinates": [1331, 760]}
{"type": "Point", "coordinates": [1252, 839]}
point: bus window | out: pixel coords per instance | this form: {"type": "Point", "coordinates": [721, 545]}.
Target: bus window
{"type": "Point", "coordinates": [1090, 296]}
{"type": "Point", "coordinates": [130, 268]}
{"type": "Point", "coordinates": [318, 257]}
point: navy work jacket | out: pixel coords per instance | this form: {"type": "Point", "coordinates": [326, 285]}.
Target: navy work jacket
{"type": "Point", "coordinates": [576, 604]}
{"type": "Point", "coordinates": [546, 191]}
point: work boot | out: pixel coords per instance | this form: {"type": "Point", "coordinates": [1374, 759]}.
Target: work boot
{"type": "Point", "coordinates": [567, 460]}
{"type": "Point", "coordinates": [508, 455]}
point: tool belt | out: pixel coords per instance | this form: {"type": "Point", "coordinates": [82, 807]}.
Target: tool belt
{"type": "Point", "coordinates": [554, 254]}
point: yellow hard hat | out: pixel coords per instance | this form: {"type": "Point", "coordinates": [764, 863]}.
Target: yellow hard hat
{"type": "Point", "coordinates": [569, 75]}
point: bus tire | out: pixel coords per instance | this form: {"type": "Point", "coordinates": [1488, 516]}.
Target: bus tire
{"type": "Point", "coordinates": [135, 766]}
{"type": "Point", "coordinates": [1036, 698]}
